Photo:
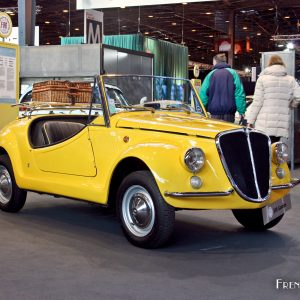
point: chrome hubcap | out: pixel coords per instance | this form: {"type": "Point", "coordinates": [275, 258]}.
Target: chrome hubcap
{"type": "Point", "coordinates": [5, 186]}
{"type": "Point", "coordinates": [138, 211]}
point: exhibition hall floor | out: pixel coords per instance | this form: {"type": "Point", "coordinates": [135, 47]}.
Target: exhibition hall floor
{"type": "Point", "coordinates": [61, 249]}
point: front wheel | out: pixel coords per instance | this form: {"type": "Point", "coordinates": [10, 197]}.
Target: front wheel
{"type": "Point", "coordinates": [253, 219]}
{"type": "Point", "coordinates": [12, 198]}
{"type": "Point", "coordinates": [146, 219]}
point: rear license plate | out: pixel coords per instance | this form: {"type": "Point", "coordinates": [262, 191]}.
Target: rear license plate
{"type": "Point", "coordinates": [276, 209]}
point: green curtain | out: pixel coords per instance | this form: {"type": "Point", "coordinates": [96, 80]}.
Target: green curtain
{"type": "Point", "coordinates": [74, 40]}
{"type": "Point", "coordinates": [169, 59]}
{"type": "Point", "coordinates": [126, 41]}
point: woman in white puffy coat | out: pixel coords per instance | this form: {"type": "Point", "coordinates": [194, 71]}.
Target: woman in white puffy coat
{"type": "Point", "coordinates": [275, 93]}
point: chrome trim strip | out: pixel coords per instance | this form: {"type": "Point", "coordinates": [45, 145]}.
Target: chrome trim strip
{"type": "Point", "coordinates": [253, 165]}
{"type": "Point", "coordinates": [293, 183]}
{"type": "Point", "coordinates": [198, 194]}
{"type": "Point", "coordinates": [247, 132]}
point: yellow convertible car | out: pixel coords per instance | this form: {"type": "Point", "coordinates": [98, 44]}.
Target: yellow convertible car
{"type": "Point", "coordinates": [149, 155]}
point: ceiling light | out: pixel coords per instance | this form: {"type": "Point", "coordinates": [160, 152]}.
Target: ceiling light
{"type": "Point", "coordinates": [287, 17]}
{"type": "Point", "coordinates": [227, 21]}
{"type": "Point", "coordinates": [174, 24]}
{"type": "Point", "coordinates": [65, 11]}
{"type": "Point", "coordinates": [146, 32]}
{"type": "Point", "coordinates": [166, 38]}
{"type": "Point", "coordinates": [194, 30]}
{"type": "Point", "coordinates": [271, 8]}
{"type": "Point", "coordinates": [210, 36]}
{"type": "Point", "coordinates": [245, 27]}
{"type": "Point", "coordinates": [77, 29]}
{"type": "Point", "coordinates": [198, 47]}
{"type": "Point", "coordinates": [122, 6]}
{"type": "Point", "coordinates": [47, 22]}
{"type": "Point", "coordinates": [258, 33]}
{"type": "Point", "coordinates": [280, 46]}
{"type": "Point", "coordinates": [189, 54]}
{"type": "Point", "coordinates": [124, 26]}
{"type": "Point", "coordinates": [208, 13]}
{"type": "Point", "coordinates": [47, 43]}
{"type": "Point", "coordinates": [150, 16]}
{"type": "Point", "coordinates": [212, 50]}
{"type": "Point", "coordinates": [184, 3]}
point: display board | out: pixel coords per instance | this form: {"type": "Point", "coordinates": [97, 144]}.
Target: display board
{"type": "Point", "coordinates": [9, 82]}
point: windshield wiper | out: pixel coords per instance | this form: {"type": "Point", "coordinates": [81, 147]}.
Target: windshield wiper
{"type": "Point", "coordinates": [139, 108]}
{"type": "Point", "coordinates": [184, 107]}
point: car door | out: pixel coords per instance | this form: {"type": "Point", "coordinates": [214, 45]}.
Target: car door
{"type": "Point", "coordinates": [72, 156]}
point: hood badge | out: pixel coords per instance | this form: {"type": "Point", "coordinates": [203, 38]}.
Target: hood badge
{"type": "Point", "coordinates": [126, 139]}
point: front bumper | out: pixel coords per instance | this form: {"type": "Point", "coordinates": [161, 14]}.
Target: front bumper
{"type": "Point", "coordinates": [293, 183]}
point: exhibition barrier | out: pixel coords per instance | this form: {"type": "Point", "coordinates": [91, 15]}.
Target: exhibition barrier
{"type": "Point", "coordinates": [169, 59]}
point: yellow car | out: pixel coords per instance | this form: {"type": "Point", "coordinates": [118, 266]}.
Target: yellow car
{"type": "Point", "coordinates": [158, 154]}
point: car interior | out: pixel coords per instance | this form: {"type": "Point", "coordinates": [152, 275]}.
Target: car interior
{"type": "Point", "coordinates": [47, 131]}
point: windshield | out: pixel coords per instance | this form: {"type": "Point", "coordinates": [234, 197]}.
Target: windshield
{"type": "Point", "coordinates": [150, 92]}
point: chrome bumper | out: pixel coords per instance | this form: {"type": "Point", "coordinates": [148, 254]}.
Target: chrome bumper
{"type": "Point", "coordinates": [294, 182]}
{"type": "Point", "coordinates": [198, 194]}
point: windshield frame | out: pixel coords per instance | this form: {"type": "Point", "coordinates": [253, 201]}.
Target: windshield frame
{"type": "Point", "coordinates": [141, 107]}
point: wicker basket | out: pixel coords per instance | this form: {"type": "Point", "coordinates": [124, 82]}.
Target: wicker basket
{"type": "Point", "coordinates": [62, 91]}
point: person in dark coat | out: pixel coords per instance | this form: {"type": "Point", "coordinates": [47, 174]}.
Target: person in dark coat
{"type": "Point", "coordinates": [222, 92]}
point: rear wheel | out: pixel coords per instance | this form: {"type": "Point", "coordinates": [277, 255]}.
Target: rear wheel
{"type": "Point", "coordinates": [253, 219]}
{"type": "Point", "coordinates": [146, 219]}
{"type": "Point", "coordinates": [12, 198]}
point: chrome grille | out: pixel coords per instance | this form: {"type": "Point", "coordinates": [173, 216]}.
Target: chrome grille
{"type": "Point", "coordinates": [245, 155]}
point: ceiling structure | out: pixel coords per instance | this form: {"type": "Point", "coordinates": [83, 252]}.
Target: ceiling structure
{"type": "Point", "coordinates": [196, 25]}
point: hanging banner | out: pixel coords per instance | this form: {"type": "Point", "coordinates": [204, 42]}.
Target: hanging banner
{"type": "Point", "coordinates": [93, 26]}
{"type": "Point", "coordinates": [87, 4]}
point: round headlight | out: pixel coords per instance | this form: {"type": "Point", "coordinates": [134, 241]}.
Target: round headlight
{"type": "Point", "coordinates": [281, 154]}
{"type": "Point", "coordinates": [194, 159]}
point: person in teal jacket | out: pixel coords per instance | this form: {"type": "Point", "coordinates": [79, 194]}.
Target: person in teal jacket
{"type": "Point", "coordinates": [222, 92]}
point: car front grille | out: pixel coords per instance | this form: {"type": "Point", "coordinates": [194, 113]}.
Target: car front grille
{"type": "Point", "coordinates": [245, 156]}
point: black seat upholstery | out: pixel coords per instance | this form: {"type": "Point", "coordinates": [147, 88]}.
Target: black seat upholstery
{"type": "Point", "coordinates": [57, 131]}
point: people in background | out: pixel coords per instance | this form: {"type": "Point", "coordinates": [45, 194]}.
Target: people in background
{"type": "Point", "coordinates": [275, 93]}
{"type": "Point", "coordinates": [222, 92]}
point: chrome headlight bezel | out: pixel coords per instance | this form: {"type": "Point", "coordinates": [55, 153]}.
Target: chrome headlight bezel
{"type": "Point", "coordinates": [194, 159]}
{"type": "Point", "coordinates": [280, 153]}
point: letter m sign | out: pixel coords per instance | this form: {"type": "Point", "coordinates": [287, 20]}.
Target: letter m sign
{"type": "Point", "coordinates": [93, 27]}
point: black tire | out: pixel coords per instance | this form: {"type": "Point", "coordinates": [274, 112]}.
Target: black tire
{"type": "Point", "coordinates": [146, 219]}
{"type": "Point", "coordinates": [12, 198]}
{"type": "Point", "coordinates": [252, 219]}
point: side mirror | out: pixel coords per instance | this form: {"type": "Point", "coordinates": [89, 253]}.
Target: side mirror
{"type": "Point", "coordinates": [143, 100]}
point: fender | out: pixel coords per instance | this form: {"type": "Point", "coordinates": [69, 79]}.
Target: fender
{"type": "Point", "coordinates": [13, 143]}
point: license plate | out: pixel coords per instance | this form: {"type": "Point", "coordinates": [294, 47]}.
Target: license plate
{"type": "Point", "coordinates": [276, 209]}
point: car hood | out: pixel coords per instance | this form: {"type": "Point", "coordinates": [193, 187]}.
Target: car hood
{"type": "Point", "coordinates": [180, 123]}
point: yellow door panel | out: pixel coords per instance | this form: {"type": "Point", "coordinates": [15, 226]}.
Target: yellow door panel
{"type": "Point", "coordinates": [74, 156]}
